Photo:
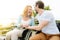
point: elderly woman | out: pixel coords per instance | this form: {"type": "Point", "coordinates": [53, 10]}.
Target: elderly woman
{"type": "Point", "coordinates": [24, 20]}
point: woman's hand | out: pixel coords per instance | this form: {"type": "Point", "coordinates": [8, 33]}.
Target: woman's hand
{"type": "Point", "coordinates": [24, 25]}
{"type": "Point", "coordinates": [21, 25]}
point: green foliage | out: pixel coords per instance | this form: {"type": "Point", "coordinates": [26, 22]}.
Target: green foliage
{"type": "Point", "coordinates": [57, 21]}
{"type": "Point", "coordinates": [34, 13]}
{"type": "Point", "coordinates": [47, 8]}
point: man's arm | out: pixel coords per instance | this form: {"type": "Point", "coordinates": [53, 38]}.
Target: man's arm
{"type": "Point", "coordinates": [39, 27]}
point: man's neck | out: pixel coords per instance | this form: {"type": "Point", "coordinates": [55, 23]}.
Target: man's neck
{"type": "Point", "coordinates": [40, 11]}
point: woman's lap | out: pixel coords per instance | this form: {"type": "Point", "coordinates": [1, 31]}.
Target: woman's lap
{"type": "Point", "coordinates": [15, 32]}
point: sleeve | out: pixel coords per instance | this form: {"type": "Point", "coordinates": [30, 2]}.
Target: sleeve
{"type": "Point", "coordinates": [18, 21]}
{"type": "Point", "coordinates": [46, 17]}
{"type": "Point", "coordinates": [32, 22]}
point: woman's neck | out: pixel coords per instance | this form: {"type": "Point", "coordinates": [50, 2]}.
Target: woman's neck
{"type": "Point", "coordinates": [25, 18]}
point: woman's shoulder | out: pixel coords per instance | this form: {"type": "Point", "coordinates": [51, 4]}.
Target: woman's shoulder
{"type": "Point", "coordinates": [20, 16]}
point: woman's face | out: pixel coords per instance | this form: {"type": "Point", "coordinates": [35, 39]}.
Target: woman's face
{"type": "Point", "coordinates": [29, 10]}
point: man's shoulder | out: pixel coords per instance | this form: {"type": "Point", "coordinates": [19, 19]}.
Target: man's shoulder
{"type": "Point", "coordinates": [46, 12]}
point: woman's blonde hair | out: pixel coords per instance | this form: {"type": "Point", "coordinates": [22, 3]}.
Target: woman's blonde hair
{"type": "Point", "coordinates": [26, 10]}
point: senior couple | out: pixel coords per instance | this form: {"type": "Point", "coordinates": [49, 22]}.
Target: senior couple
{"type": "Point", "coordinates": [47, 24]}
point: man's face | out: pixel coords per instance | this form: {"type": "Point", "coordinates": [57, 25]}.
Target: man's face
{"type": "Point", "coordinates": [36, 9]}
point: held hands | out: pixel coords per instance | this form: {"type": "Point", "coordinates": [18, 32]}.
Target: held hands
{"type": "Point", "coordinates": [24, 25]}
